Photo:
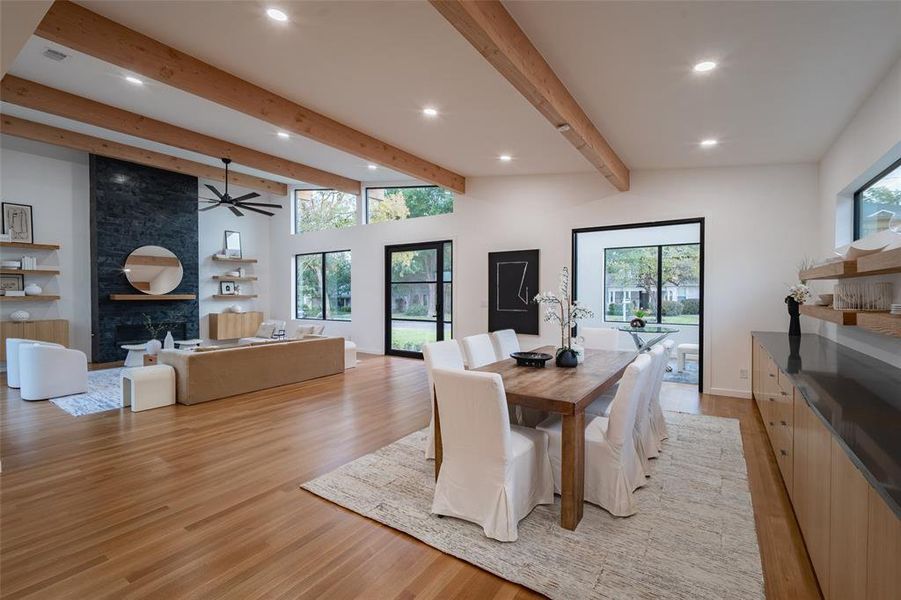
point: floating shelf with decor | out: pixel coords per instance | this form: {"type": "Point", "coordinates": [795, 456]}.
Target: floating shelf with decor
{"type": "Point", "coordinates": [35, 298]}
{"type": "Point", "coordinates": [877, 322]}
{"type": "Point", "coordinates": [36, 272]}
{"type": "Point", "coordinates": [880, 263]}
{"type": "Point", "coordinates": [234, 296]}
{"type": "Point", "coordinates": [48, 272]}
{"type": "Point", "coordinates": [26, 246]}
{"type": "Point", "coordinates": [230, 278]}
{"type": "Point", "coordinates": [152, 297]}
{"type": "Point", "coordinates": [231, 259]}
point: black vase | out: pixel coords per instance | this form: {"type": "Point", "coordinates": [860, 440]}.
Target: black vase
{"type": "Point", "coordinates": [567, 358]}
{"type": "Point", "coordinates": [793, 364]}
{"type": "Point", "coordinates": [638, 323]}
{"type": "Point", "coordinates": [794, 312]}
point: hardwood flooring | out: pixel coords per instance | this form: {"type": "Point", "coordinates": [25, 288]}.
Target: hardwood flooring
{"type": "Point", "coordinates": [203, 501]}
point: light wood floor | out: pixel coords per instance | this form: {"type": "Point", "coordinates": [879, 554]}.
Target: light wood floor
{"type": "Point", "coordinates": [203, 501]}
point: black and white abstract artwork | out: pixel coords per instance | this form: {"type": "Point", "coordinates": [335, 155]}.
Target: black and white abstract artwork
{"type": "Point", "coordinates": [512, 283]}
{"type": "Point", "coordinates": [18, 222]}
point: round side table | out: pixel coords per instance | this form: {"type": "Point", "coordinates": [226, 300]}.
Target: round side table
{"type": "Point", "coordinates": [135, 356]}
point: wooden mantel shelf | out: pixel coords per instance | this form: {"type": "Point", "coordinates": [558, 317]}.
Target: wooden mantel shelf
{"type": "Point", "coordinates": [27, 246]}
{"type": "Point", "coordinates": [233, 260]}
{"type": "Point", "coordinates": [152, 297]}
{"type": "Point", "coordinates": [229, 278]}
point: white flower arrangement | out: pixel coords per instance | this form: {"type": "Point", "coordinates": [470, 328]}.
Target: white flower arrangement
{"type": "Point", "coordinates": [560, 309]}
{"type": "Point", "coordinates": [800, 293]}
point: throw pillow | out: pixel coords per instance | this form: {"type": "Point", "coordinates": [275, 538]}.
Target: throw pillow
{"type": "Point", "coordinates": [265, 330]}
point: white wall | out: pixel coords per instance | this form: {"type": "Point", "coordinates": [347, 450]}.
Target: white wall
{"type": "Point", "coordinates": [869, 143]}
{"type": "Point", "coordinates": [55, 181]}
{"type": "Point", "coordinates": [760, 222]}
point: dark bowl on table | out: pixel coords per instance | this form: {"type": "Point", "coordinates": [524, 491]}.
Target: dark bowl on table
{"type": "Point", "coordinates": [531, 359]}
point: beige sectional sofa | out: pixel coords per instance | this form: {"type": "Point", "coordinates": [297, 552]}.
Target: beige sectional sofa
{"type": "Point", "coordinates": [212, 373]}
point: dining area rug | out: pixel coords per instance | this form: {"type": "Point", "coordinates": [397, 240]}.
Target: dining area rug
{"type": "Point", "coordinates": [692, 538]}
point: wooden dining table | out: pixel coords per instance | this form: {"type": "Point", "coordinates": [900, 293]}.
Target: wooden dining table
{"type": "Point", "coordinates": [566, 392]}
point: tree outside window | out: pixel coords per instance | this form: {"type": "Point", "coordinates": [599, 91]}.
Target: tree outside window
{"type": "Point", "coordinates": [328, 271]}
{"type": "Point", "coordinates": [317, 210]}
{"type": "Point", "coordinates": [399, 203]}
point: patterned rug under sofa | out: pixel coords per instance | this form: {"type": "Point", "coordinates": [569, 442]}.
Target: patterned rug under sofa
{"type": "Point", "coordinates": [104, 393]}
{"type": "Point", "coordinates": [693, 537]}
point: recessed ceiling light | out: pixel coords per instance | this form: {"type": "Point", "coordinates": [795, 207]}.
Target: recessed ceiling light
{"type": "Point", "coordinates": [372, 167]}
{"type": "Point", "coordinates": [276, 15]}
{"type": "Point", "coordinates": [709, 143]}
{"type": "Point", "coordinates": [703, 67]}
{"type": "Point", "coordinates": [505, 158]}
{"type": "Point", "coordinates": [283, 135]}
{"type": "Point", "coordinates": [133, 80]}
{"type": "Point", "coordinates": [430, 112]}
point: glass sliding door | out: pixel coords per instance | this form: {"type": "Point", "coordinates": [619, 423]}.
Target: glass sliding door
{"type": "Point", "coordinates": [418, 296]}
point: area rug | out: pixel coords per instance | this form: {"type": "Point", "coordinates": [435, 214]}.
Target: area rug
{"type": "Point", "coordinates": [693, 536]}
{"type": "Point", "coordinates": [689, 375]}
{"type": "Point", "coordinates": [104, 393]}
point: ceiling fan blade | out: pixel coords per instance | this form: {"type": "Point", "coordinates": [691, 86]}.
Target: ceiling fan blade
{"type": "Point", "coordinates": [259, 204]}
{"type": "Point", "coordinates": [208, 200]}
{"type": "Point", "coordinates": [257, 210]}
{"type": "Point", "coordinates": [210, 207]}
{"type": "Point", "coordinates": [237, 212]}
{"type": "Point", "coordinates": [215, 191]}
{"type": "Point", "coordinates": [245, 197]}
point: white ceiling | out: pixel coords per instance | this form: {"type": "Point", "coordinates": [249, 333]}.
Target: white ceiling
{"type": "Point", "coordinates": [791, 75]}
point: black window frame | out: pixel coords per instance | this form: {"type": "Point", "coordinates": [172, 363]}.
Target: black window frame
{"type": "Point", "coordinates": [865, 187]}
{"type": "Point", "coordinates": [294, 217]}
{"type": "Point", "coordinates": [322, 255]}
{"type": "Point", "coordinates": [397, 187]}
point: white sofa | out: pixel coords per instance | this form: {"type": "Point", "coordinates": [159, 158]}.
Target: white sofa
{"type": "Point", "coordinates": [51, 371]}
{"type": "Point", "coordinates": [12, 358]}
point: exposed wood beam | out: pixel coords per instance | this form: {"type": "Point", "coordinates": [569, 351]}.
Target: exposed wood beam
{"type": "Point", "coordinates": [80, 29]}
{"type": "Point", "coordinates": [494, 33]}
{"type": "Point", "coordinates": [78, 141]}
{"type": "Point", "coordinates": [49, 100]}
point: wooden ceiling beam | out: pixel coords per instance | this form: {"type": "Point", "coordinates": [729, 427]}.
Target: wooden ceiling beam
{"type": "Point", "coordinates": [80, 29]}
{"type": "Point", "coordinates": [29, 94]}
{"type": "Point", "coordinates": [78, 141]}
{"type": "Point", "coordinates": [495, 34]}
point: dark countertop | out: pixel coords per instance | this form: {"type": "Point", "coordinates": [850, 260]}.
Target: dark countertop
{"type": "Point", "coordinates": [858, 398]}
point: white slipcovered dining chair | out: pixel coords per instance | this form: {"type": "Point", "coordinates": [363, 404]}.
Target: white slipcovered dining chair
{"type": "Point", "coordinates": [646, 441]}
{"type": "Point", "coordinates": [658, 422]}
{"type": "Point", "coordinates": [599, 338]}
{"type": "Point", "coordinates": [612, 466]}
{"type": "Point", "coordinates": [438, 355]}
{"type": "Point", "coordinates": [505, 343]}
{"type": "Point", "coordinates": [492, 473]}
{"type": "Point", "coordinates": [477, 350]}
{"type": "Point", "coordinates": [47, 371]}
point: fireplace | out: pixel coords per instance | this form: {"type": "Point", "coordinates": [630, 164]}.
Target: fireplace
{"type": "Point", "coordinates": [138, 334]}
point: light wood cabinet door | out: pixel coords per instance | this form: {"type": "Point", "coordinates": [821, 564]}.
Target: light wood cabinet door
{"type": "Point", "coordinates": [883, 550]}
{"type": "Point", "coordinates": [49, 330]}
{"type": "Point", "coordinates": [849, 504]}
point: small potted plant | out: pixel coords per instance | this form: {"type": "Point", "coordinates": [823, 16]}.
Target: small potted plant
{"type": "Point", "coordinates": [639, 321]}
{"type": "Point", "coordinates": [560, 309]}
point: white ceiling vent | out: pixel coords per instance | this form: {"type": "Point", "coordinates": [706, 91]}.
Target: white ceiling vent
{"type": "Point", "coordinates": [55, 55]}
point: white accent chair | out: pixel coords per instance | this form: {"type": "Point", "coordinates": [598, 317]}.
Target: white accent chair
{"type": "Point", "coordinates": [51, 371]}
{"type": "Point", "coordinates": [492, 473]}
{"type": "Point", "coordinates": [438, 355]}
{"type": "Point", "coordinates": [12, 358]}
{"type": "Point", "coordinates": [478, 351]}
{"type": "Point", "coordinates": [686, 352]}
{"type": "Point", "coordinates": [612, 466]}
{"type": "Point", "coordinates": [599, 338]}
{"type": "Point", "coordinates": [505, 343]}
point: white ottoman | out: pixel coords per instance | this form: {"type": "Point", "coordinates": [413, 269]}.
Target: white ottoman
{"type": "Point", "coordinates": [682, 351]}
{"type": "Point", "coordinates": [148, 387]}
{"type": "Point", "coordinates": [350, 355]}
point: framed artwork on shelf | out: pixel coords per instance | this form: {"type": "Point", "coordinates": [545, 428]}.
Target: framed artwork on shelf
{"type": "Point", "coordinates": [512, 283]}
{"type": "Point", "coordinates": [18, 222]}
{"type": "Point", "coordinates": [12, 283]}
{"type": "Point", "coordinates": [227, 288]}
{"type": "Point", "coordinates": [233, 244]}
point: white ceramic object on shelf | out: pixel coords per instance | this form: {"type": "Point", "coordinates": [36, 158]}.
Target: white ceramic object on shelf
{"type": "Point", "coordinates": [169, 342]}
{"type": "Point", "coordinates": [153, 347]}
{"type": "Point", "coordinates": [20, 315]}
{"type": "Point", "coordinates": [33, 289]}
{"type": "Point", "coordinates": [236, 308]}
{"type": "Point", "coordinates": [854, 252]}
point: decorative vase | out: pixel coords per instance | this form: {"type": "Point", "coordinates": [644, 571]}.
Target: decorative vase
{"type": "Point", "coordinates": [793, 365]}
{"type": "Point", "coordinates": [153, 347]}
{"type": "Point", "coordinates": [32, 289]}
{"type": "Point", "coordinates": [236, 308]}
{"type": "Point", "coordinates": [567, 357]}
{"type": "Point", "coordinates": [579, 349]}
{"type": "Point", "coordinates": [638, 323]}
{"type": "Point", "coordinates": [241, 272]}
{"type": "Point", "coordinates": [20, 315]}
{"type": "Point", "coordinates": [169, 342]}
{"type": "Point", "coordinates": [794, 312]}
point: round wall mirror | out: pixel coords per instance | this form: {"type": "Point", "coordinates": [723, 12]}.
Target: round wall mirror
{"type": "Point", "coordinates": [153, 270]}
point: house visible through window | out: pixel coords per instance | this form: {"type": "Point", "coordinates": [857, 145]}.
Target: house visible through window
{"type": "Point", "coordinates": [315, 210]}
{"type": "Point", "coordinates": [398, 203]}
{"type": "Point", "coordinates": [323, 286]}
{"type": "Point", "coordinates": [877, 205]}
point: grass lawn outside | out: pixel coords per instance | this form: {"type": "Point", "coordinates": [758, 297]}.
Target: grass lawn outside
{"type": "Point", "coordinates": [406, 338]}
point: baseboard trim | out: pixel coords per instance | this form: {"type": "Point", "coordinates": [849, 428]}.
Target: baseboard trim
{"type": "Point", "coordinates": [731, 393]}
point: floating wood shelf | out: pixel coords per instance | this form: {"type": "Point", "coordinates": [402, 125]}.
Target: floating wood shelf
{"type": "Point", "coordinates": [152, 297]}
{"type": "Point", "coordinates": [37, 298]}
{"type": "Point", "coordinates": [227, 278]}
{"type": "Point", "coordinates": [26, 246]}
{"type": "Point", "coordinates": [880, 263]}
{"type": "Point", "coordinates": [234, 260]}
{"type": "Point", "coordinates": [234, 296]}
{"type": "Point", "coordinates": [835, 270]}
{"type": "Point", "coordinates": [880, 322]}
{"type": "Point", "coordinates": [29, 272]}
{"type": "Point", "coordinates": [827, 313]}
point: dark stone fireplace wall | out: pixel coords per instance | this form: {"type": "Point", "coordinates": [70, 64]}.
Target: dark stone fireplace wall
{"type": "Point", "coordinates": [133, 206]}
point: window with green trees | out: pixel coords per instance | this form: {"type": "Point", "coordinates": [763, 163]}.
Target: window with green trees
{"type": "Point", "coordinates": [399, 203]}
{"type": "Point", "coordinates": [323, 286]}
{"type": "Point", "coordinates": [315, 210]}
{"type": "Point", "coordinates": [877, 205]}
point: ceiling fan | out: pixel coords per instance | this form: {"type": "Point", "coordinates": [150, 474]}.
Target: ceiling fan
{"type": "Point", "coordinates": [234, 204]}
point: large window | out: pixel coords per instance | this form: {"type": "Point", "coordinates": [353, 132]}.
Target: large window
{"type": "Point", "coordinates": [398, 203]}
{"type": "Point", "coordinates": [877, 205]}
{"type": "Point", "coordinates": [315, 210]}
{"type": "Point", "coordinates": [664, 281]}
{"type": "Point", "coordinates": [323, 286]}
